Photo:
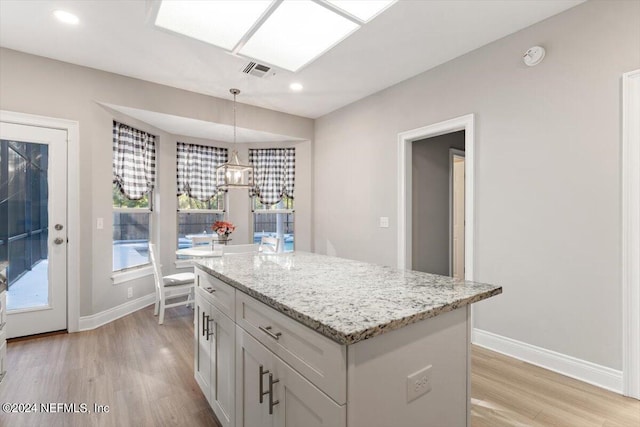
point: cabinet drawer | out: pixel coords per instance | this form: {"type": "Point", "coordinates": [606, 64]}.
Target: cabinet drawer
{"type": "Point", "coordinates": [217, 292]}
{"type": "Point", "coordinates": [317, 358]}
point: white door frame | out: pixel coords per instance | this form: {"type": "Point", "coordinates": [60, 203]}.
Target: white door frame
{"type": "Point", "coordinates": [405, 139]}
{"type": "Point", "coordinates": [73, 206]}
{"type": "Point", "coordinates": [631, 233]}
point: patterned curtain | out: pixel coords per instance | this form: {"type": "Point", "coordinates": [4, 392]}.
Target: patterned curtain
{"type": "Point", "coordinates": [196, 168]}
{"type": "Point", "coordinates": [134, 161]}
{"type": "Point", "coordinates": [274, 173]}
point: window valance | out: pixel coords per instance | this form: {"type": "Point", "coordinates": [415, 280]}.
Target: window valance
{"type": "Point", "coordinates": [274, 173]}
{"type": "Point", "coordinates": [196, 169]}
{"type": "Point", "coordinates": [134, 161]}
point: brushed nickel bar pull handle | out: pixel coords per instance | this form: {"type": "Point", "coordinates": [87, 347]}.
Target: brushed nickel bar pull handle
{"type": "Point", "coordinates": [262, 373]}
{"type": "Point", "coordinates": [271, 402]}
{"type": "Point", "coordinates": [203, 323]}
{"type": "Point", "coordinates": [210, 290]}
{"type": "Point", "coordinates": [209, 333]}
{"type": "Point", "coordinates": [267, 330]}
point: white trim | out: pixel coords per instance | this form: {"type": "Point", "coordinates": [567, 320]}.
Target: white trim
{"type": "Point", "coordinates": [135, 273]}
{"type": "Point", "coordinates": [631, 233]}
{"type": "Point", "coordinates": [72, 128]}
{"type": "Point", "coordinates": [405, 139]}
{"type": "Point", "coordinates": [598, 375]}
{"type": "Point", "coordinates": [96, 320]}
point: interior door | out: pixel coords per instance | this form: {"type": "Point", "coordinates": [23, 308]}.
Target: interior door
{"type": "Point", "coordinates": [33, 227]}
{"type": "Point", "coordinates": [457, 220]}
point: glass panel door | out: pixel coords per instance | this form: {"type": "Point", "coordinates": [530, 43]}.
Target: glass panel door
{"type": "Point", "coordinates": [24, 222]}
{"type": "Point", "coordinates": [34, 246]}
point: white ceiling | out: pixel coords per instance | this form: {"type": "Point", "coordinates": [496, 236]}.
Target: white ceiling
{"type": "Point", "coordinates": [407, 39]}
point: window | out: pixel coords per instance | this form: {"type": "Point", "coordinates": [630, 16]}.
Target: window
{"type": "Point", "coordinates": [274, 176]}
{"type": "Point", "coordinates": [133, 183]}
{"type": "Point", "coordinates": [275, 220]}
{"type": "Point", "coordinates": [200, 203]}
{"type": "Point", "coordinates": [196, 217]}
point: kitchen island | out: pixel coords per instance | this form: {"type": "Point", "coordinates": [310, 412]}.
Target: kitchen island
{"type": "Point", "coordinates": [302, 339]}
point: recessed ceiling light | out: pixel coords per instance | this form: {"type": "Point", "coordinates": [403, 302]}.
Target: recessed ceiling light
{"type": "Point", "coordinates": [296, 33]}
{"type": "Point", "coordinates": [221, 23]}
{"type": "Point", "coordinates": [362, 9]}
{"type": "Point", "coordinates": [296, 87]}
{"type": "Point", "coordinates": [66, 17]}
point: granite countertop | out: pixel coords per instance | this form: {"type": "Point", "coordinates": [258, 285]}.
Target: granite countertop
{"type": "Point", "coordinates": [345, 300]}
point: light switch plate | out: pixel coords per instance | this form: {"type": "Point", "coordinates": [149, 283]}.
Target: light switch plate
{"type": "Point", "coordinates": [100, 223]}
{"type": "Point", "coordinates": [384, 221]}
{"type": "Point", "coordinates": [419, 383]}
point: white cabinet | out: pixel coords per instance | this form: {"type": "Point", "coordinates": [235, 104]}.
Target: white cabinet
{"type": "Point", "coordinates": [214, 363]}
{"type": "Point", "coordinates": [260, 368]}
{"type": "Point", "coordinates": [202, 361]}
{"type": "Point", "coordinates": [271, 393]}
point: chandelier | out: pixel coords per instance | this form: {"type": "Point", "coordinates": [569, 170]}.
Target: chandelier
{"type": "Point", "coordinates": [234, 174]}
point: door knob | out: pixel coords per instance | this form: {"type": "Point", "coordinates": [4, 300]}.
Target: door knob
{"type": "Point", "coordinates": [58, 227]}
{"type": "Point", "coordinates": [58, 241]}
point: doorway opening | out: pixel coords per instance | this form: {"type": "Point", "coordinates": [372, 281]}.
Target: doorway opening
{"type": "Point", "coordinates": [437, 217]}
{"type": "Point", "coordinates": [406, 140]}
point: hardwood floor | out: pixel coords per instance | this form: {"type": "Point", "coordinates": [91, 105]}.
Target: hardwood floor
{"type": "Point", "coordinates": [142, 370]}
{"type": "Point", "coordinates": [144, 373]}
{"type": "Point", "coordinates": [508, 392]}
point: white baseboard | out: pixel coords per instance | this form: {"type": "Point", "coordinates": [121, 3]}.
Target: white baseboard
{"type": "Point", "coordinates": [579, 369]}
{"type": "Point", "coordinates": [96, 320]}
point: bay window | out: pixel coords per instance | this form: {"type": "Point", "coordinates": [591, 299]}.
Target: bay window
{"type": "Point", "coordinates": [200, 203]}
{"type": "Point", "coordinates": [132, 199]}
{"type": "Point", "coordinates": [272, 194]}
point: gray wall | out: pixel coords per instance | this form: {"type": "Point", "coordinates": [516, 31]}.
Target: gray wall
{"type": "Point", "coordinates": [37, 85]}
{"type": "Point", "coordinates": [430, 202]}
{"type": "Point", "coordinates": [547, 177]}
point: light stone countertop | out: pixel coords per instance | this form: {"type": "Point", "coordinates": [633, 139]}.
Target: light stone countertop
{"type": "Point", "coordinates": [345, 300]}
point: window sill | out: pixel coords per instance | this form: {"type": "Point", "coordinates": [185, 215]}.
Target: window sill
{"type": "Point", "coordinates": [135, 273]}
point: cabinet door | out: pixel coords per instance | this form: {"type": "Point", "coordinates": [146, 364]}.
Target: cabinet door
{"type": "Point", "coordinates": [202, 358]}
{"type": "Point", "coordinates": [254, 363]}
{"type": "Point", "coordinates": [223, 367]}
{"type": "Point", "coordinates": [300, 403]}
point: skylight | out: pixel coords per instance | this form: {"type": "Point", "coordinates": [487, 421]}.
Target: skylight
{"type": "Point", "coordinates": [220, 23]}
{"type": "Point", "coordinates": [297, 32]}
{"type": "Point", "coordinates": [288, 34]}
{"type": "Point", "coordinates": [364, 10]}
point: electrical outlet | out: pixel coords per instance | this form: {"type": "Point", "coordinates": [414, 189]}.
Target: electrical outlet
{"type": "Point", "coordinates": [419, 383]}
{"type": "Point", "coordinates": [129, 292]}
{"type": "Point", "coordinates": [384, 221]}
{"type": "Point", "coordinates": [100, 223]}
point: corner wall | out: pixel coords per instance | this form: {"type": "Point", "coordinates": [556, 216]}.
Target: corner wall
{"type": "Point", "coordinates": [547, 167]}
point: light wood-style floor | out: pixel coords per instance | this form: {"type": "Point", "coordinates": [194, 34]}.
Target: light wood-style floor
{"type": "Point", "coordinates": [144, 372]}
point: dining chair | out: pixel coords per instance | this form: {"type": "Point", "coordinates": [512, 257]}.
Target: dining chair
{"type": "Point", "coordinates": [270, 244]}
{"type": "Point", "coordinates": [240, 249]}
{"type": "Point", "coordinates": [178, 285]}
{"type": "Point", "coordinates": [203, 239]}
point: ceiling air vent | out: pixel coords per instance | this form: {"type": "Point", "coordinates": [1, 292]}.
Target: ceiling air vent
{"type": "Point", "coordinates": [258, 70]}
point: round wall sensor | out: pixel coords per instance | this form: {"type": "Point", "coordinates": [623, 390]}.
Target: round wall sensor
{"type": "Point", "coordinates": [534, 55]}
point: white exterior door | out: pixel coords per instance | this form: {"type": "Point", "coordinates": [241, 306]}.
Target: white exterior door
{"type": "Point", "coordinates": [33, 227]}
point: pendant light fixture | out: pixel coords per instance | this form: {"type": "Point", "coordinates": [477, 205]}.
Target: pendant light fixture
{"type": "Point", "coordinates": [233, 174]}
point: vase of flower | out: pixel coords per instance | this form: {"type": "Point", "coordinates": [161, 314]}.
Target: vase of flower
{"type": "Point", "coordinates": [224, 230]}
